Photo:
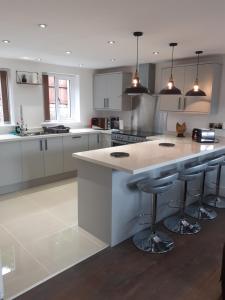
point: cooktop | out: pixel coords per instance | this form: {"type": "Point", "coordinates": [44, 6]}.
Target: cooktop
{"type": "Point", "coordinates": [138, 133]}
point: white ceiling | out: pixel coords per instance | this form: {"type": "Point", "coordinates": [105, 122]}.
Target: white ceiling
{"type": "Point", "coordinates": [85, 26]}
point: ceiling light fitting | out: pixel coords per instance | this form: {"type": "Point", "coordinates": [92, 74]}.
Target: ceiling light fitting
{"type": "Point", "coordinates": [68, 52]}
{"type": "Point", "coordinates": [136, 87]}
{"type": "Point", "coordinates": [171, 89]}
{"type": "Point", "coordinates": [111, 42]}
{"type": "Point", "coordinates": [43, 26]}
{"type": "Point", "coordinates": [6, 41]}
{"type": "Point", "coordinates": [155, 52]}
{"type": "Point", "coordinates": [196, 91]}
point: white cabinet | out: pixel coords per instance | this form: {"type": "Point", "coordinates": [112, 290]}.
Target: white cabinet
{"type": "Point", "coordinates": [72, 144]}
{"type": "Point", "coordinates": [106, 140]}
{"type": "Point", "coordinates": [53, 156]}
{"type": "Point", "coordinates": [42, 157]}
{"type": "Point", "coordinates": [184, 77]}
{"type": "Point", "coordinates": [94, 141]}
{"type": "Point", "coordinates": [32, 159]}
{"type": "Point", "coordinates": [109, 91]}
{"type": "Point", "coordinates": [10, 163]}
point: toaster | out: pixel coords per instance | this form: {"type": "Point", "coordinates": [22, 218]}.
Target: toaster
{"type": "Point", "coordinates": [202, 135]}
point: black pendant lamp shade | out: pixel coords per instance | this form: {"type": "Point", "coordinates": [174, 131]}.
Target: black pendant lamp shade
{"type": "Point", "coordinates": [196, 91]}
{"type": "Point", "coordinates": [136, 87]}
{"type": "Point", "coordinates": [171, 89]}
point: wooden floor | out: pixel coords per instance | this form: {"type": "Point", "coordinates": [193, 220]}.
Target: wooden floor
{"type": "Point", "coordinates": [190, 272]}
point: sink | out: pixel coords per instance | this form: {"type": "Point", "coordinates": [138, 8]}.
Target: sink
{"type": "Point", "coordinates": [32, 134]}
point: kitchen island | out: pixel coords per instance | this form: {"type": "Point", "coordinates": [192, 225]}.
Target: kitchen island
{"type": "Point", "coordinates": [109, 203]}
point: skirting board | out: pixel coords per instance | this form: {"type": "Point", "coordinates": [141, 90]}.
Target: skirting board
{"type": "Point", "coordinates": [32, 183]}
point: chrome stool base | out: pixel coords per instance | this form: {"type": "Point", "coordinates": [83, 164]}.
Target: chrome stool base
{"type": "Point", "coordinates": [157, 242]}
{"type": "Point", "coordinates": [200, 212]}
{"type": "Point", "coordinates": [181, 225]}
{"type": "Point", "coordinates": [215, 201]}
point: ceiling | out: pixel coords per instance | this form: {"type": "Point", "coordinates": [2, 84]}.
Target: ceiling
{"type": "Point", "coordinates": [85, 26]}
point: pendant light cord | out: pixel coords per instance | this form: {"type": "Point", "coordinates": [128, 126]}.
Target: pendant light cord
{"type": "Point", "coordinates": [137, 64]}
{"type": "Point", "coordinates": [171, 74]}
{"type": "Point", "coordinates": [197, 68]}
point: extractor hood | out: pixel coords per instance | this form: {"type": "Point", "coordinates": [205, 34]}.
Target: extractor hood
{"type": "Point", "coordinates": [147, 76]}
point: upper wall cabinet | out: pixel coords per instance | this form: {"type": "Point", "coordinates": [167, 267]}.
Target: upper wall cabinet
{"type": "Point", "coordinates": [184, 77]}
{"type": "Point", "coordinates": [109, 91]}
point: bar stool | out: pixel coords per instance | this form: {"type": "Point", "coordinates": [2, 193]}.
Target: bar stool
{"type": "Point", "coordinates": [216, 200]}
{"type": "Point", "coordinates": [180, 223]}
{"type": "Point", "coordinates": [152, 240]}
{"type": "Point", "coordinates": [199, 210]}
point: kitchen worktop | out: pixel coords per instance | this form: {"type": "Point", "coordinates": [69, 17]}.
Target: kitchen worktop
{"type": "Point", "coordinates": [12, 137]}
{"type": "Point", "coordinates": [149, 155]}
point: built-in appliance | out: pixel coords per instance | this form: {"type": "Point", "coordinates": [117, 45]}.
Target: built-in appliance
{"type": "Point", "coordinates": [129, 137]}
{"type": "Point", "coordinates": [56, 129]}
{"type": "Point", "coordinates": [114, 122]}
{"type": "Point", "coordinates": [202, 135]}
{"type": "Point", "coordinates": [100, 123]}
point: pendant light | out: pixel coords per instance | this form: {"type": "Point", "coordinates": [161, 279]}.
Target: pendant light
{"type": "Point", "coordinates": [136, 87]}
{"type": "Point", "coordinates": [171, 89]}
{"type": "Point", "coordinates": [196, 90]}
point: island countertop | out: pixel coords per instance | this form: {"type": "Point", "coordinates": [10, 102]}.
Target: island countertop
{"type": "Point", "coordinates": [150, 155]}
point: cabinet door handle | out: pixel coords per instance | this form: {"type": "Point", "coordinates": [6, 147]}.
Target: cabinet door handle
{"type": "Point", "coordinates": [184, 103]}
{"type": "Point", "coordinates": [179, 103]}
{"type": "Point", "coordinates": [46, 145]}
{"type": "Point", "coordinates": [98, 139]}
{"type": "Point", "coordinates": [108, 102]}
{"type": "Point", "coordinates": [76, 137]}
{"type": "Point", "coordinates": [41, 146]}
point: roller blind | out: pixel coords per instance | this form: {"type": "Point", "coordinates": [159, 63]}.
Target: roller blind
{"type": "Point", "coordinates": [5, 97]}
{"type": "Point", "coordinates": [46, 97]}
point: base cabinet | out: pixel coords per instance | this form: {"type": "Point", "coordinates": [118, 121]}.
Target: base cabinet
{"type": "Point", "coordinates": [72, 144]}
{"type": "Point", "coordinates": [10, 163]}
{"type": "Point", "coordinates": [32, 159]}
{"type": "Point", "coordinates": [53, 156]}
{"type": "Point", "coordinates": [42, 157]}
{"type": "Point", "coordinates": [94, 141]}
{"type": "Point", "coordinates": [26, 160]}
{"type": "Point", "coordinates": [106, 141]}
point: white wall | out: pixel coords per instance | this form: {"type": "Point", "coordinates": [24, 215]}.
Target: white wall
{"type": "Point", "coordinates": [31, 97]}
{"type": "Point", "coordinates": [192, 120]}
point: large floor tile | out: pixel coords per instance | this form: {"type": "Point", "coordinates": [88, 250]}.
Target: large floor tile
{"type": "Point", "coordinates": [34, 226]}
{"type": "Point", "coordinates": [39, 236]}
{"type": "Point", "coordinates": [13, 208]}
{"type": "Point", "coordinates": [20, 271]}
{"type": "Point", "coordinates": [55, 195]}
{"type": "Point", "coordinates": [66, 212]}
{"type": "Point", "coordinates": [63, 249]}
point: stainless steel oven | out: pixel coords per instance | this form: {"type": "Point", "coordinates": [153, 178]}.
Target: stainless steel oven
{"type": "Point", "coordinates": [125, 138]}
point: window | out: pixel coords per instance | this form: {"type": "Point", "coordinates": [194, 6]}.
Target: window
{"type": "Point", "coordinates": [4, 101]}
{"type": "Point", "coordinates": [60, 98]}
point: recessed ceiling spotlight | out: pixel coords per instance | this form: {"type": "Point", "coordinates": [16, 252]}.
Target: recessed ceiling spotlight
{"type": "Point", "coordinates": [68, 52]}
{"type": "Point", "coordinates": [38, 59]}
{"type": "Point", "coordinates": [26, 57]}
{"type": "Point", "coordinates": [113, 59]}
{"type": "Point", "coordinates": [155, 52]}
{"type": "Point", "coordinates": [81, 65]}
{"type": "Point", "coordinates": [6, 41]}
{"type": "Point", "coordinates": [111, 42]}
{"type": "Point", "coordinates": [43, 26]}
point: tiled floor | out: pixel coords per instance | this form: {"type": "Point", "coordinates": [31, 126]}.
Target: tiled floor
{"type": "Point", "coordinates": [39, 236]}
